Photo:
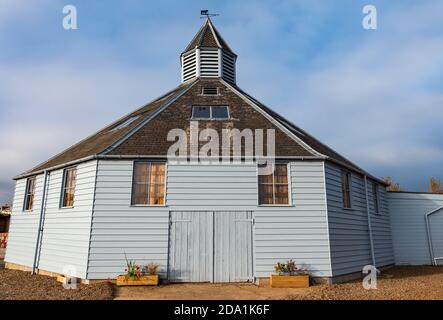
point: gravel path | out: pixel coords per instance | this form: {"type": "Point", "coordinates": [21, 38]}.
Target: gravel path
{"type": "Point", "coordinates": [396, 283]}
{"type": "Point", "coordinates": [19, 285]}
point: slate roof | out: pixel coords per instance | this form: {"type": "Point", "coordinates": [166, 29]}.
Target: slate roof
{"type": "Point", "coordinates": [208, 37]}
{"type": "Point", "coordinates": [99, 141]}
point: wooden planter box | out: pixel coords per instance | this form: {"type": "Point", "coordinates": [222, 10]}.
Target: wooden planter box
{"type": "Point", "coordinates": [285, 281]}
{"type": "Point", "coordinates": [142, 281]}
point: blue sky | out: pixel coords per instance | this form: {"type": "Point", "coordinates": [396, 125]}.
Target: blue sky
{"type": "Point", "coordinates": [374, 96]}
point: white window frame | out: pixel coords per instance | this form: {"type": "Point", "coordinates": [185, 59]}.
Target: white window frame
{"type": "Point", "coordinates": [210, 113]}
{"type": "Point", "coordinates": [288, 171]}
{"type": "Point", "coordinates": [164, 190]}
{"type": "Point", "coordinates": [62, 193]}
{"type": "Point", "coordinates": [349, 179]}
{"type": "Point", "coordinates": [376, 195]}
{"type": "Point", "coordinates": [25, 201]}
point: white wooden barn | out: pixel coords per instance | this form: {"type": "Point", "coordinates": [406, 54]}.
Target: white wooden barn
{"type": "Point", "coordinates": [116, 193]}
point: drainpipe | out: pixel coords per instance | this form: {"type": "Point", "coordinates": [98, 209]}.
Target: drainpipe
{"type": "Point", "coordinates": [371, 240]}
{"type": "Point", "coordinates": [40, 224]}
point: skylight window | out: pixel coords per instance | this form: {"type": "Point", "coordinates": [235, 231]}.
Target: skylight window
{"type": "Point", "coordinates": [210, 112]}
{"type": "Point", "coordinates": [125, 123]}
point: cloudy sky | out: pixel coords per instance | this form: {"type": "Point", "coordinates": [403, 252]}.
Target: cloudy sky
{"type": "Point", "coordinates": [374, 96]}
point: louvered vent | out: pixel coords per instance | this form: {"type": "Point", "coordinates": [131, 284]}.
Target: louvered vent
{"type": "Point", "coordinates": [189, 66]}
{"type": "Point", "coordinates": [210, 91]}
{"type": "Point", "coordinates": [228, 73]}
{"type": "Point", "coordinates": [209, 63]}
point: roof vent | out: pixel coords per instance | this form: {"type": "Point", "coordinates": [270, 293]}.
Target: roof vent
{"type": "Point", "coordinates": [210, 91]}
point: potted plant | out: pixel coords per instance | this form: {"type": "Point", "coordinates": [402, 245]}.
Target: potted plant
{"type": "Point", "coordinates": [138, 276]}
{"type": "Point", "coordinates": [289, 275]}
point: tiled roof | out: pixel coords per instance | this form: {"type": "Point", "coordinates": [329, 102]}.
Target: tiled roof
{"type": "Point", "coordinates": [99, 141]}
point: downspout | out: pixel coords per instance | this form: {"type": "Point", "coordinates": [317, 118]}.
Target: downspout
{"type": "Point", "coordinates": [371, 240]}
{"type": "Point", "coordinates": [40, 224]}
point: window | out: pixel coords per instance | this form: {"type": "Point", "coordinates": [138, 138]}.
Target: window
{"type": "Point", "coordinates": [375, 197]}
{"type": "Point", "coordinates": [210, 112]}
{"type": "Point", "coordinates": [148, 185]}
{"type": "Point", "coordinates": [346, 189]}
{"type": "Point", "coordinates": [29, 194]}
{"type": "Point", "coordinates": [125, 123]}
{"type": "Point", "coordinates": [210, 91]}
{"type": "Point", "coordinates": [68, 189]}
{"type": "Point", "coordinates": [273, 188]}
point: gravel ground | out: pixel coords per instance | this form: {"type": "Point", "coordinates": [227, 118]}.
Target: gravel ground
{"type": "Point", "coordinates": [399, 283]}
{"type": "Point", "coordinates": [19, 285]}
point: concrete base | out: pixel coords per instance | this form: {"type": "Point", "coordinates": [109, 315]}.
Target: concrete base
{"type": "Point", "coordinates": [13, 266]}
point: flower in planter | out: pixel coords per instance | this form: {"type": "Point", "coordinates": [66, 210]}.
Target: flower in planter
{"type": "Point", "coordinates": [290, 268]}
{"type": "Point", "coordinates": [133, 271]}
{"type": "Point", "coordinates": [152, 268]}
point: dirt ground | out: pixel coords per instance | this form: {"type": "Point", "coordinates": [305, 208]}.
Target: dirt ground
{"type": "Point", "coordinates": [20, 285]}
{"type": "Point", "coordinates": [399, 283]}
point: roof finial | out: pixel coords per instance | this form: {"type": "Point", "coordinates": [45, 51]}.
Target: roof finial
{"type": "Point", "coordinates": [205, 13]}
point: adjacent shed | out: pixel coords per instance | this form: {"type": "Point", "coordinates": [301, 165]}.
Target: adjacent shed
{"type": "Point", "coordinates": [417, 227]}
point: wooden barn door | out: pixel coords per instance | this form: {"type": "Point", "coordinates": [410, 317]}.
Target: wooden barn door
{"type": "Point", "coordinates": [233, 246]}
{"type": "Point", "coordinates": [190, 246]}
{"type": "Point", "coordinates": [210, 246]}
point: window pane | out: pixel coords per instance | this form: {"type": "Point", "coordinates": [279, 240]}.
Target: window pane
{"type": "Point", "coordinates": [265, 192]}
{"type": "Point", "coordinates": [375, 195]}
{"type": "Point", "coordinates": [141, 173]}
{"type": "Point", "coordinates": [201, 112]}
{"type": "Point", "coordinates": [281, 173]}
{"type": "Point", "coordinates": [149, 183]}
{"type": "Point", "coordinates": [29, 194]}
{"type": "Point", "coordinates": [68, 189]}
{"type": "Point", "coordinates": [281, 194]}
{"type": "Point", "coordinates": [220, 113]}
{"type": "Point", "coordinates": [140, 194]}
{"type": "Point", "coordinates": [345, 182]}
{"type": "Point", "coordinates": [156, 194]}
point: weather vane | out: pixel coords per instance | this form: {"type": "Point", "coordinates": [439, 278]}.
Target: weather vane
{"type": "Point", "coordinates": [205, 13]}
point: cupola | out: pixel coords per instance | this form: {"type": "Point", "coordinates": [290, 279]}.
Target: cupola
{"type": "Point", "coordinates": [208, 56]}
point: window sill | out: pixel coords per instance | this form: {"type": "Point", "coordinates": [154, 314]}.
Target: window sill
{"type": "Point", "coordinates": [66, 208]}
{"type": "Point", "coordinates": [210, 119]}
{"type": "Point", "coordinates": [148, 206]}
{"type": "Point", "coordinates": [349, 209]}
{"type": "Point", "coordinates": [276, 205]}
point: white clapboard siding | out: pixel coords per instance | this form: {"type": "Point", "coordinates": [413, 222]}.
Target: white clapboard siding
{"type": "Point", "coordinates": [119, 229]}
{"type": "Point", "coordinates": [296, 232]}
{"type": "Point", "coordinates": [348, 228]}
{"type": "Point", "coordinates": [411, 244]}
{"type": "Point", "coordinates": [65, 241]}
{"type": "Point", "coordinates": [24, 225]}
